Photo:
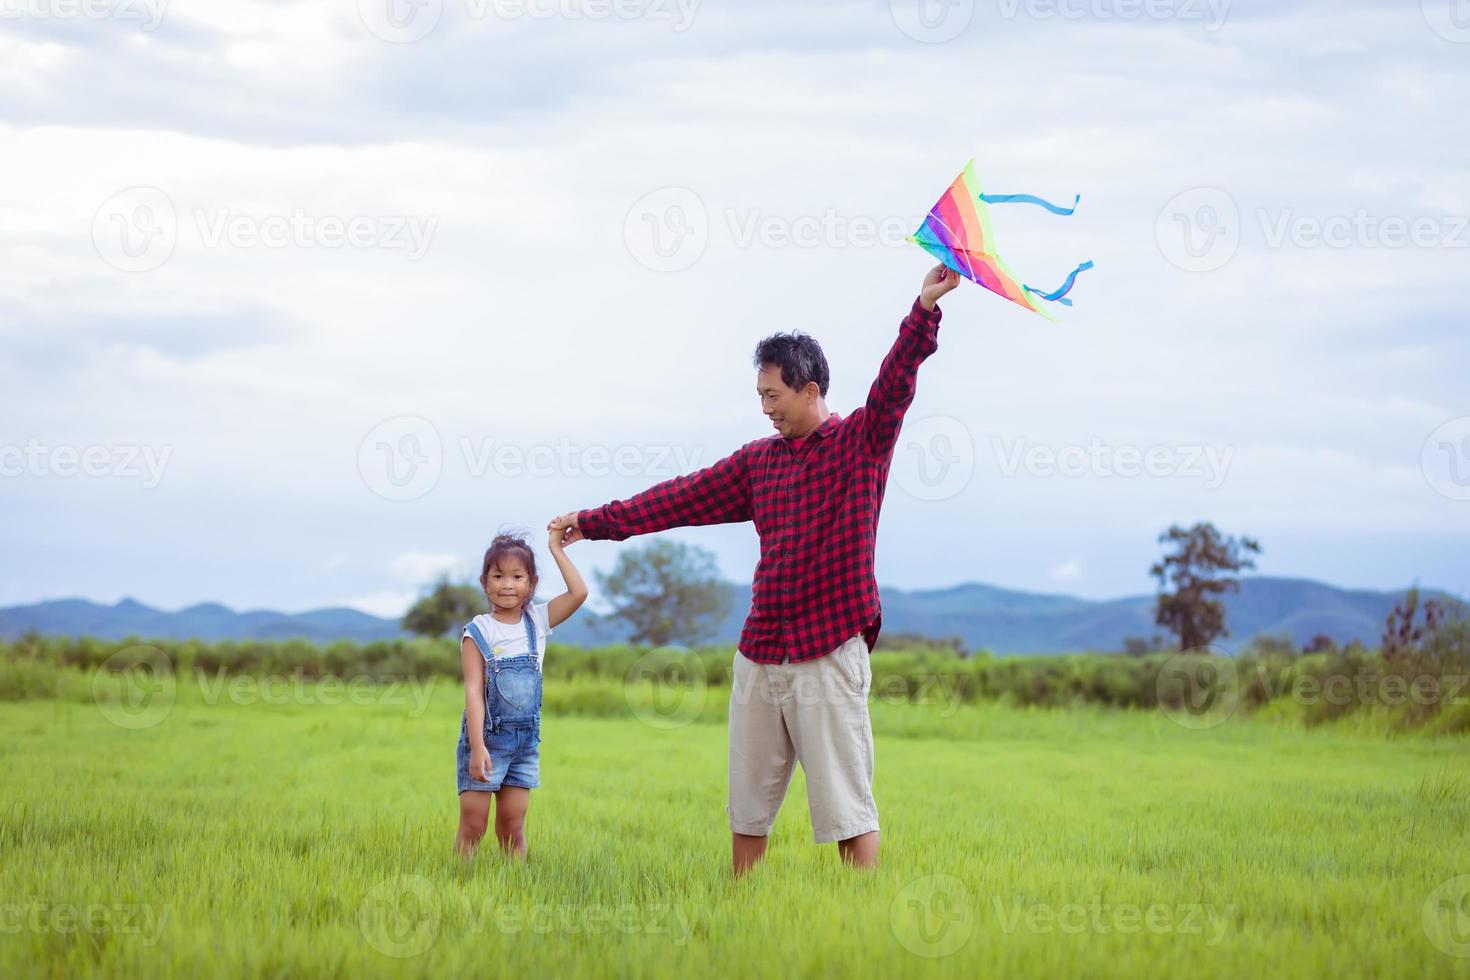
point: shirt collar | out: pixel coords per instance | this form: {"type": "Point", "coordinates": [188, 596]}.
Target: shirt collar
{"type": "Point", "coordinates": [824, 430]}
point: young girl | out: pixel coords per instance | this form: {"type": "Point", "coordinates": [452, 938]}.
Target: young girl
{"type": "Point", "coordinates": [502, 651]}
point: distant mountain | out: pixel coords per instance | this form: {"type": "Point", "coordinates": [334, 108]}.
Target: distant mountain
{"type": "Point", "coordinates": [208, 621]}
{"type": "Point", "coordinates": [983, 616]}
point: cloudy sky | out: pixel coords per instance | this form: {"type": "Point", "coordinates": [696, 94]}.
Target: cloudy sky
{"type": "Point", "coordinates": [303, 300]}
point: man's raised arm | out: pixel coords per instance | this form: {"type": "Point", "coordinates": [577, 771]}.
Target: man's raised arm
{"type": "Point", "coordinates": [718, 494]}
{"type": "Point", "coordinates": [893, 391]}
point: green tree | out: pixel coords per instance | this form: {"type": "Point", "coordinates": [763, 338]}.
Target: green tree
{"type": "Point", "coordinates": [666, 592]}
{"type": "Point", "coordinates": [1196, 571]}
{"type": "Point", "coordinates": [447, 606]}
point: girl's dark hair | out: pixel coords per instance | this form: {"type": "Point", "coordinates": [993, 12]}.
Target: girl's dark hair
{"type": "Point", "coordinates": [509, 546]}
{"type": "Point", "coordinates": [800, 357]}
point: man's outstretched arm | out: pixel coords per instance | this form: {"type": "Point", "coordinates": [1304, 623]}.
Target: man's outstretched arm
{"type": "Point", "coordinates": [718, 494]}
{"type": "Point", "coordinates": [893, 391]}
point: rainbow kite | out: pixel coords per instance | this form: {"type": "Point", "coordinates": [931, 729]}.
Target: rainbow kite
{"type": "Point", "coordinates": [958, 233]}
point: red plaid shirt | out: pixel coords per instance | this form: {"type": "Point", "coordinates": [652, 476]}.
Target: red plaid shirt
{"type": "Point", "coordinates": [815, 504]}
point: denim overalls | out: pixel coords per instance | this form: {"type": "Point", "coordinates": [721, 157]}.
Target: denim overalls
{"type": "Point", "coordinates": [512, 718]}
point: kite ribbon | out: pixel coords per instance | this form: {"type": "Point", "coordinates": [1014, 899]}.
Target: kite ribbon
{"type": "Point", "coordinates": [1029, 199]}
{"type": "Point", "coordinates": [1055, 296]}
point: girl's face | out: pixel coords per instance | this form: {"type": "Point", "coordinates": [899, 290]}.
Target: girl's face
{"type": "Point", "coordinates": [507, 585]}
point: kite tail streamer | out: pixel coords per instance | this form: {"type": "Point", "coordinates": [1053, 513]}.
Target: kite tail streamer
{"type": "Point", "coordinates": [1056, 295]}
{"type": "Point", "coordinates": [1029, 199]}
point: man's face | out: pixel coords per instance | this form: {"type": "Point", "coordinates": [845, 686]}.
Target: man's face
{"type": "Point", "coordinates": [788, 409]}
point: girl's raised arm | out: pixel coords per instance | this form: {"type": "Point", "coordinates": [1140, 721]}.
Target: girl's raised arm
{"type": "Point", "coordinates": [560, 609]}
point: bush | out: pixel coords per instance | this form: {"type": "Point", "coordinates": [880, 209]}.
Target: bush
{"type": "Point", "coordinates": [589, 680]}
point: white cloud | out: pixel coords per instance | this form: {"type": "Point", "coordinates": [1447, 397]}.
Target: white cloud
{"type": "Point", "coordinates": [388, 604]}
{"type": "Point", "coordinates": [529, 320]}
{"type": "Point", "coordinates": [1068, 571]}
{"type": "Point", "coordinates": [421, 568]}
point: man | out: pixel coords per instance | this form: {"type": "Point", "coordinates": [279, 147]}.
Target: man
{"type": "Point", "coordinates": [814, 491]}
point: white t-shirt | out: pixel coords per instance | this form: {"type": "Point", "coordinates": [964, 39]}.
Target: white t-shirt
{"type": "Point", "coordinates": [510, 639]}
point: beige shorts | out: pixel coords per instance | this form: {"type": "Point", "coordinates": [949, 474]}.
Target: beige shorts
{"type": "Point", "coordinates": [815, 713]}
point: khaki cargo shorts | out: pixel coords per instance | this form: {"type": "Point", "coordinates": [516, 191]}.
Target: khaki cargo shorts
{"type": "Point", "coordinates": [815, 713]}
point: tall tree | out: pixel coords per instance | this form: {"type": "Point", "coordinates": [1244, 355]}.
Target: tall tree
{"type": "Point", "coordinates": [1198, 571]}
{"type": "Point", "coordinates": [666, 592]}
{"type": "Point", "coordinates": [445, 607]}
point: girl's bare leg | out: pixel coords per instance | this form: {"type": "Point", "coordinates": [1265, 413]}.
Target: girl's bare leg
{"type": "Point", "coordinates": [510, 819]}
{"type": "Point", "coordinates": [474, 815]}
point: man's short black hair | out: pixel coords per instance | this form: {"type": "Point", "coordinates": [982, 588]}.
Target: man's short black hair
{"type": "Point", "coordinates": [800, 357]}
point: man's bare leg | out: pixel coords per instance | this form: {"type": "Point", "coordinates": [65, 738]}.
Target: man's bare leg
{"type": "Point", "coordinates": [860, 851]}
{"type": "Point", "coordinates": [745, 851]}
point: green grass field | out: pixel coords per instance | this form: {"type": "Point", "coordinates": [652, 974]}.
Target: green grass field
{"type": "Point", "coordinates": [271, 839]}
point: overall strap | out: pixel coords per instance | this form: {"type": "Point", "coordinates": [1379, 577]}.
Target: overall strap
{"type": "Point", "coordinates": [479, 640]}
{"type": "Point", "coordinates": [530, 629]}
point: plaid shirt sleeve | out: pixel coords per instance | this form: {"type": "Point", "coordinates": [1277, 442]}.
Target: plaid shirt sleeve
{"type": "Point", "coordinates": [893, 391]}
{"type": "Point", "coordinates": [718, 494]}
